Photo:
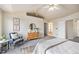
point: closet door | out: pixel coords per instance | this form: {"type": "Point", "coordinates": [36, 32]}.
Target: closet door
{"type": "Point", "coordinates": [69, 29]}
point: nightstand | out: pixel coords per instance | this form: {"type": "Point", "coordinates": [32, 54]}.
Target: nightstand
{"type": "Point", "coordinates": [4, 46]}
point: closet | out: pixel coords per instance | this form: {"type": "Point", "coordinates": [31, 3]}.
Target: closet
{"type": "Point", "coordinates": [71, 30]}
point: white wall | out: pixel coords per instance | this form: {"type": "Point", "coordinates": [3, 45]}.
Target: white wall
{"type": "Point", "coordinates": [59, 29]}
{"type": "Point", "coordinates": [59, 25]}
{"type": "Point", "coordinates": [78, 28]}
{"type": "Point", "coordinates": [0, 22]}
{"type": "Point", "coordinates": [25, 21]}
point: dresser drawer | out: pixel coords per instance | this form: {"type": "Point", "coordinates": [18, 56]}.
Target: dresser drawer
{"type": "Point", "coordinates": [33, 35]}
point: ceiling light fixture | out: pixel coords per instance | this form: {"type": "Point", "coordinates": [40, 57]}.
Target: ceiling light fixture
{"type": "Point", "coordinates": [53, 6]}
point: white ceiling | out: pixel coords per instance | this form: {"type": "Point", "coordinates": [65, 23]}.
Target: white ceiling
{"type": "Point", "coordinates": [64, 9]}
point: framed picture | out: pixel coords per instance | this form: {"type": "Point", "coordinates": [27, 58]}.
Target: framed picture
{"type": "Point", "coordinates": [16, 24]}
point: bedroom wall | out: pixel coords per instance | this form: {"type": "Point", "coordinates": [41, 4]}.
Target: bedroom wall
{"type": "Point", "coordinates": [0, 22]}
{"type": "Point", "coordinates": [78, 28]}
{"type": "Point", "coordinates": [59, 29]}
{"type": "Point", "coordinates": [25, 21]}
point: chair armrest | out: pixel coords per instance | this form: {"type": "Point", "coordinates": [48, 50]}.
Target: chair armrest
{"type": "Point", "coordinates": [11, 41]}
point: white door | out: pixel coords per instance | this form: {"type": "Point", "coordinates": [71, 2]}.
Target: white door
{"type": "Point", "coordinates": [69, 29]}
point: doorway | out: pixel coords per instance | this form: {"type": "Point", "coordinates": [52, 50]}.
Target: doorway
{"type": "Point", "coordinates": [45, 29]}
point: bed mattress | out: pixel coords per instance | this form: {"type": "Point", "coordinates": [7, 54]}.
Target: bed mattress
{"type": "Point", "coordinates": [68, 47]}
{"type": "Point", "coordinates": [43, 45]}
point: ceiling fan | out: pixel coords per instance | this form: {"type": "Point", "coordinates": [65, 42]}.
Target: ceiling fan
{"type": "Point", "coordinates": [52, 7]}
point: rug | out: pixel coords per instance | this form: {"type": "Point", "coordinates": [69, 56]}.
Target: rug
{"type": "Point", "coordinates": [27, 50]}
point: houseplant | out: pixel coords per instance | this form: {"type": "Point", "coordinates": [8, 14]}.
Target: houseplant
{"type": "Point", "coordinates": [3, 37]}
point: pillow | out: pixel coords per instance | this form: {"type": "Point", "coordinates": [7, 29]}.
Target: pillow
{"type": "Point", "coordinates": [14, 36]}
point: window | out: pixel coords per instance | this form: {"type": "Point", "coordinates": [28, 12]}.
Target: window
{"type": "Point", "coordinates": [50, 28]}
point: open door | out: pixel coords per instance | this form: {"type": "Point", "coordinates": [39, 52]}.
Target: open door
{"type": "Point", "coordinates": [45, 29]}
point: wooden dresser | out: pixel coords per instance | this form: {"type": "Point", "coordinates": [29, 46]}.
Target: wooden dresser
{"type": "Point", "coordinates": [33, 35]}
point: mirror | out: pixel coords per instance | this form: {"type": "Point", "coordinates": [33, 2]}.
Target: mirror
{"type": "Point", "coordinates": [32, 26]}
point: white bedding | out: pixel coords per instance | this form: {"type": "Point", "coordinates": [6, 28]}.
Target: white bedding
{"type": "Point", "coordinates": [68, 47]}
{"type": "Point", "coordinates": [43, 45]}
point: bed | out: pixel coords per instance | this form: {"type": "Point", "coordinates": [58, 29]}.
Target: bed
{"type": "Point", "coordinates": [56, 46]}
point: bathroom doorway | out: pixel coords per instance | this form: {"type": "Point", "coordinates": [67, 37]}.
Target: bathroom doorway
{"type": "Point", "coordinates": [45, 29]}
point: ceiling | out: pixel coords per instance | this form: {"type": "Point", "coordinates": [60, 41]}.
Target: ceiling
{"type": "Point", "coordinates": [63, 9]}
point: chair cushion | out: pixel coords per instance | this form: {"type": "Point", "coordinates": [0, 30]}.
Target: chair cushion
{"type": "Point", "coordinates": [17, 40]}
{"type": "Point", "coordinates": [14, 36]}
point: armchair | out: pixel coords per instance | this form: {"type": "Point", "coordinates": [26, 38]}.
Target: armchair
{"type": "Point", "coordinates": [15, 38]}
